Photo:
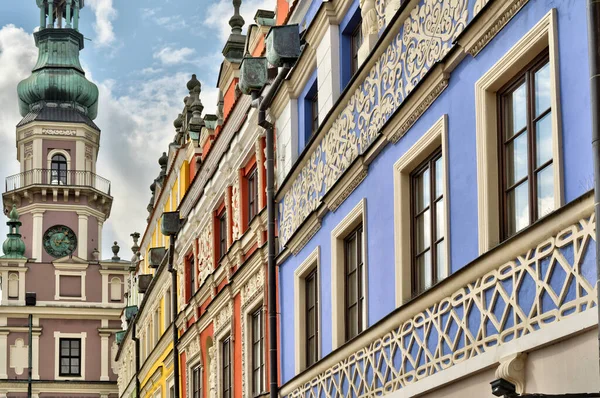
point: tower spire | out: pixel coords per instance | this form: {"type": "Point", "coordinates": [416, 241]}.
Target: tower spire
{"type": "Point", "coordinates": [58, 77]}
{"type": "Point", "coordinates": [13, 247]}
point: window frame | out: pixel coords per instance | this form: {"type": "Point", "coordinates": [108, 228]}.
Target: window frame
{"type": "Point", "coordinates": [542, 36]}
{"type": "Point", "coordinates": [356, 41]}
{"type": "Point", "coordinates": [526, 77]}
{"type": "Point", "coordinates": [312, 277]}
{"type": "Point", "coordinates": [428, 164]}
{"type": "Point", "coordinates": [358, 235]}
{"type": "Point", "coordinates": [252, 190]}
{"type": "Point", "coordinates": [226, 342]}
{"type": "Point", "coordinates": [61, 172]}
{"type": "Point", "coordinates": [314, 115]}
{"type": "Point", "coordinates": [196, 389]}
{"type": "Point", "coordinates": [357, 216]}
{"type": "Point", "coordinates": [430, 141]}
{"type": "Point", "coordinates": [70, 340]}
{"type": "Point", "coordinates": [222, 238]}
{"type": "Point", "coordinates": [257, 366]}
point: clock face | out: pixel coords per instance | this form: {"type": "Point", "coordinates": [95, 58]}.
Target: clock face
{"type": "Point", "coordinates": [60, 241]}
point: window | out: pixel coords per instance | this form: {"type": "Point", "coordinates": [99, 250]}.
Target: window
{"type": "Point", "coordinates": [222, 235]}
{"type": "Point", "coordinates": [258, 356]}
{"type": "Point", "coordinates": [172, 392]}
{"type": "Point", "coordinates": [427, 215]}
{"type": "Point", "coordinates": [58, 170]}
{"type": "Point", "coordinates": [518, 181]}
{"type": "Point", "coordinates": [226, 367]}
{"type": "Point", "coordinates": [167, 308]}
{"type": "Point", "coordinates": [355, 300]}
{"type": "Point", "coordinates": [314, 114]}
{"type": "Point", "coordinates": [70, 357]}
{"type": "Point", "coordinates": [307, 313]}
{"type": "Point", "coordinates": [356, 40]}
{"type": "Point", "coordinates": [192, 276]}
{"type": "Point", "coordinates": [252, 181]}
{"type": "Point", "coordinates": [156, 323]}
{"type": "Point", "coordinates": [525, 148]}
{"type": "Point", "coordinates": [349, 276]}
{"type": "Point", "coordinates": [197, 382]}
{"type": "Point", "coordinates": [312, 317]}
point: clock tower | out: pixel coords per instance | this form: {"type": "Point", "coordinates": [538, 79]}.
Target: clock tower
{"type": "Point", "coordinates": [58, 204]}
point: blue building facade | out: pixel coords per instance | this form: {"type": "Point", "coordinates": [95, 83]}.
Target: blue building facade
{"type": "Point", "coordinates": [437, 225]}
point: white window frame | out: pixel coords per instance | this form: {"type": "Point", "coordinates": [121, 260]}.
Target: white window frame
{"type": "Point", "coordinates": [434, 138]}
{"type": "Point", "coordinates": [58, 274]}
{"type": "Point", "coordinates": [250, 309]}
{"type": "Point", "coordinates": [224, 333]}
{"type": "Point", "coordinates": [356, 216]}
{"type": "Point", "coordinates": [543, 35]}
{"type": "Point", "coordinates": [112, 286]}
{"type": "Point", "coordinates": [312, 262]}
{"type": "Point", "coordinates": [57, 336]}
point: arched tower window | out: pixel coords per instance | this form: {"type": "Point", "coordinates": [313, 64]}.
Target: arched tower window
{"type": "Point", "coordinates": [115, 289]}
{"type": "Point", "coordinates": [58, 168]}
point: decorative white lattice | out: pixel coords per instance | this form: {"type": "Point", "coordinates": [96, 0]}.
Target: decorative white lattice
{"type": "Point", "coordinates": [541, 287]}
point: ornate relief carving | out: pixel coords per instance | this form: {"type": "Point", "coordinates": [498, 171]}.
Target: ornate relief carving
{"type": "Point", "coordinates": [205, 254]}
{"type": "Point", "coordinates": [496, 27]}
{"type": "Point", "coordinates": [29, 150]}
{"type": "Point", "coordinates": [212, 377]}
{"type": "Point", "coordinates": [548, 284]}
{"type": "Point", "coordinates": [114, 365]}
{"type": "Point", "coordinates": [253, 287]}
{"type": "Point", "coordinates": [479, 4]}
{"type": "Point", "coordinates": [512, 368]}
{"type": "Point", "coordinates": [90, 136]}
{"type": "Point", "coordinates": [88, 152]}
{"type": "Point", "coordinates": [27, 133]}
{"type": "Point", "coordinates": [370, 22]}
{"type": "Point", "coordinates": [380, 8]}
{"type": "Point", "coordinates": [66, 132]}
{"type": "Point", "coordinates": [425, 38]}
{"type": "Point", "coordinates": [223, 317]}
{"type": "Point", "coordinates": [193, 348]}
{"type": "Point", "coordinates": [235, 207]}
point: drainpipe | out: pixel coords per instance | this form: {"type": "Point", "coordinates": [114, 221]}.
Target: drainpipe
{"type": "Point", "coordinates": [136, 339]}
{"type": "Point", "coordinates": [30, 355]}
{"type": "Point", "coordinates": [593, 11]}
{"type": "Point", "coordinates": [264, 104]}
{"type": "Point", "coordinates": [174, 312]}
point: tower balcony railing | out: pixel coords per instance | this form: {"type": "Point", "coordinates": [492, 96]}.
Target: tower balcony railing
{"type": "Point", "coordinates": [60, 178]}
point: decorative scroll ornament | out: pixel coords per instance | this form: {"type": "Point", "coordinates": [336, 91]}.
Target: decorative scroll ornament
{"type": "Point", "coordinates": [548, 284]}
{"type": "Point", "coordinates": [253, 287]}
{"type": "Point", "coordinates": [380, 8]}
{"type": "Point", "coordinates": [88, 152]}
{"type": "Point", "coordinates": [370, 22]}
{"type": "Point", "coordinates": [223, 317]}
{"type": "Point", "coordinates": [193, 348]}
{"type": "Point", "coordinates": [235, 208]}
{"type": "Point", "coordinates": [512, 368]}
{"type": "Point", "coordinates": [205, 254]}
{"type": "Point", "coordinates": [29, 150]}
{"type": "Point", "coordinates": [479, 4]}
{"type": "Point", "coordinates": [64, 132]}
{"type": "Point", "coordinates": [425, 38]}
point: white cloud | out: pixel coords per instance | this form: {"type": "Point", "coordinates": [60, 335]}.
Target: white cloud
{"type": "Point", "coordinates": [171, 56]}
{"type": "Point", "coordinates": [105, 14]}
{"type": "Point", "coordinates": [150, 71]}
{"type": "Point", "coordinates": [219, 14]}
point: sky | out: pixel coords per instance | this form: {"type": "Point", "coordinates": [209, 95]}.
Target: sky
{"type": "Point", "coordinates": [140, 53]}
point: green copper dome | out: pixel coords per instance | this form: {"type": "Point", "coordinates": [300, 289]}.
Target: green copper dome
{"type": "Point", "coordinates": [58, 76]}
{"type": "Point", "coordinates": [13, 247]}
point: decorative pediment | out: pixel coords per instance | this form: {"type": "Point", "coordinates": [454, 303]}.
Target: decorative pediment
{"type": "Point", "coordinates": [70, 263]}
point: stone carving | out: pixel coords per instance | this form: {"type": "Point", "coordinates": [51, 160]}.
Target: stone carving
{"type": "Point", "coordinates": [548, 284]}
{"type": "Point", "coordinates": [27, 133]}
{"type": "Point", "coordinates": [29, 150]}
{"type": "Point", "coordinates": [18, 356]}
{"type": "Point", "coordinates": [113, 354]}
{"type": "Point", "coordinates": [479, 4]}
{"type": "Point", "coordinates": [205, 254]}
{"type": "Point", "coordinates": [90, 136]}
{"type": "Point", "coordinates": [223, 317]}
{"type": "Point", "coordinates": [253, 287]}
{"type": "Point", "coordinates": [380, 6]}
{"type": "Point", "coordinates": [370, 18]}
{"type": "Point", "coordinates": [235, 208]}
{"type": "Point", "coordinates": [212, 377]}
{"type": "Point", "coordinates": [88, 152]}
{"type": "Point", "coordinates": [425, 38]}
{"type": "Point", "coordinates": [193, 348]}
{"type": "Point", "coordinates": [66, 132]}
{"type": "Point", "coordinates": [512, 368]}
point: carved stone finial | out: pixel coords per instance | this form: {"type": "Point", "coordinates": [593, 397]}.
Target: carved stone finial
{"type": "Point", "coordinates": [512, 368]}
{"type": "Point", "coordinates": [236, 22]}
{"type": "Point", "coordinates": [115, 250]}
{"type": "Point", "coordinates": [96, 254]}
